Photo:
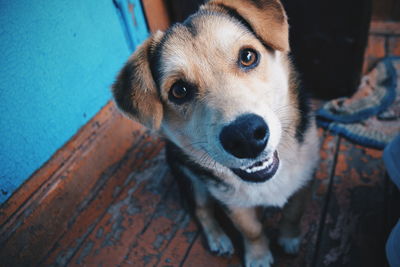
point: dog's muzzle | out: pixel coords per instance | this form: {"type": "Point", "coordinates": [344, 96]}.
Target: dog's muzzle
{"type": "Point", "coordinates": [245, 138]}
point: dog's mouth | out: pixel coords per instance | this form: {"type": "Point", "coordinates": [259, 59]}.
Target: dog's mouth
{"type": "Point", "coordinates": [260, 171]}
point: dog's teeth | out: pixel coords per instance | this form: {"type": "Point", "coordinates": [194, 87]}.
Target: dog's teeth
{"type": "Point", "coordinates": [259, 166]}
{"type": "Point", "coordinates": [266, 163]}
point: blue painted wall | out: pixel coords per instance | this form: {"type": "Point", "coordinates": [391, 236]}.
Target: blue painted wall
{"type": "Point", "coordinates": [58, 60]}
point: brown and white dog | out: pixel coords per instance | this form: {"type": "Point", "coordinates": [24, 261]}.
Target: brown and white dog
{"type": "Point", "coordinates": [221, 89]}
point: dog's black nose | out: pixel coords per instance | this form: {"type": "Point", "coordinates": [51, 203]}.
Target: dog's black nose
{"type": "Point", "coordinates": [245, 137]}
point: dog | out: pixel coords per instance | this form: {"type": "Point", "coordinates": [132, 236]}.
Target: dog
{"type": "Point", "coordinates": [221, 88]}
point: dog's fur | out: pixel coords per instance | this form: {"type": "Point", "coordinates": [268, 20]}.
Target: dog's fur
{"type": "Point", "coordinates": [203, 52]}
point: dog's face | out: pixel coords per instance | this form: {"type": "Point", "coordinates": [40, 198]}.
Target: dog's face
{"type": "Point", "coordinates": [217, 86]}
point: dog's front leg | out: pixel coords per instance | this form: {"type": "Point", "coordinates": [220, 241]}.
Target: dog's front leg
{"type": "Point", "coordinates": [290, 232]}
{"type": "Point", "coordinates": [256, 245]}
{"type": "Point", "coordinates": [218, 241]}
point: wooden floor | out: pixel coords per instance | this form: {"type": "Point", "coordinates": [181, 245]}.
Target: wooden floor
{"type": "Point", "coordinates": [132, 216]}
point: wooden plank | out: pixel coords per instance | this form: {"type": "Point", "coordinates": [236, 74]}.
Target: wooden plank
{"type": "Point", "coordinates": [156, 14]}
{"type": "Point", "coordinates": [132, 211]}
{"type": "Point", "coordinates": [354, 225]}
{"type": "Point", "coordinates": [385, 27]}
{"type": "Point", "coordinates": [168, 219]}
{"type": "Point", "coordinates": [199, 255]}
{"type": "Point", "coordinates": [28, 237]}
{"type": "Point", "coordinates": [383, 41]}
{"type": "Point", "coordinates": [180, 244]}
{"type": "Point", "coordinates": [80, 226]}
{"type": "Point", "coordinates": [394, 46]}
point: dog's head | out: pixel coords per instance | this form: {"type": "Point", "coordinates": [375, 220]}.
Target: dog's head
{"type": "Point", "coordinates": [216, 85]}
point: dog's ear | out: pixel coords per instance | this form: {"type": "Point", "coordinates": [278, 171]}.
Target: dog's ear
{"type": "Point", "coordinates": [267, 19]}
{"type": "Point", "coordinates": [135, 91]}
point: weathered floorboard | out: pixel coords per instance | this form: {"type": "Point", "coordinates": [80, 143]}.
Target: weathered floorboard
{"type": "Point", "coordinates": [147, 248]}
{"type": "Point", "coordinates": [180, 244]}
{"type": "Point", "coordinates": [81, 225]}
{"type": "Point", "coordinates": [132, 211]}
{"type": "Point", "coordinates": [113, 190]}
{"type": "Point", "coordinates": [353, 233]}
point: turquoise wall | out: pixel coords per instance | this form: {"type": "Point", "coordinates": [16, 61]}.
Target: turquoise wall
{"type": "Point", "coordinates": [58, 60]}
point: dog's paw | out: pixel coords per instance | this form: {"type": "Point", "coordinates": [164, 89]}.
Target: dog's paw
{"type": "Point", "coordinates": [265, 260]}
{"type": "Point", "coordinates": [291, 245]}
{"type": "Point", "coordinates": [220, 244]}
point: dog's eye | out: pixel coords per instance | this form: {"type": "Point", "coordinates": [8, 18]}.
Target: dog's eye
{"type": "Point", "coordinates": [180, 92]}
{"type": "Point", "coordinates": [248, 58]}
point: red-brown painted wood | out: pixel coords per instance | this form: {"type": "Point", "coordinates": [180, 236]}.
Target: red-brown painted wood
{"type": "Point", "coordinates": [167, 220]}
{"type": "Point", "coordinates": [353, 233]}
{"type": "Point", "coordinates": [124, 177]}
{"type": "Point", "coordinates": [132, 211]}
{"type": "Point", "coordinates": [156, 14]}
{"type": "Point", "coordinates": [180, 244]}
